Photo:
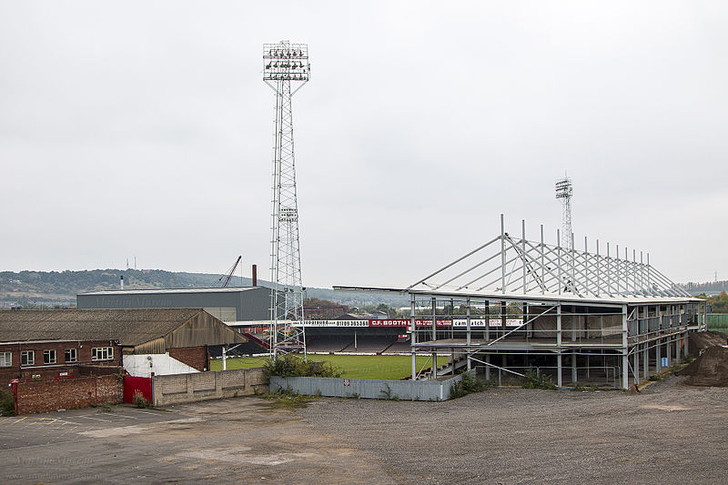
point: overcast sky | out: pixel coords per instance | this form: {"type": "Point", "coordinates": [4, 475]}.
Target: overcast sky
{"type": "Point", "coordinates": [143, 128]}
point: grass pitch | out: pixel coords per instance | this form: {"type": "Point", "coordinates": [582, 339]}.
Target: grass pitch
{"type": "Point", "coordinates": [353, 366]}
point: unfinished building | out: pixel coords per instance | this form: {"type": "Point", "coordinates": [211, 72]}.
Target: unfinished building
{"type": "Point", "coordinates": [514, 306]}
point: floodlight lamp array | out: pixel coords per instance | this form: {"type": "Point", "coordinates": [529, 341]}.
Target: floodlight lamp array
{"type": "Point", "coordinates": [286, 62]}
{"type": "Point", "coordinates": [564, 189]}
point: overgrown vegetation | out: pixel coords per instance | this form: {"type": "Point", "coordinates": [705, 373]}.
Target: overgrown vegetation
{"type": "Point", "coordinates": [467, 385]}
{"type": "Point", "coordinates": [7, 403]}
{"type": "Point", "coordinates": [140, 401]}
{"type": "Point", "coordinates": [286, 399]}
{"type": "Point", "coordinates": [294, 366]}
{"type": "Point", "coordinates": [536, 380]}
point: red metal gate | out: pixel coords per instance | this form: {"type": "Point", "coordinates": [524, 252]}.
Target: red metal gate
{"type": "Point", "coordinates": [137, 385]}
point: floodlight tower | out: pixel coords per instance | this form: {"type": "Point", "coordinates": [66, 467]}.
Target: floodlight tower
{"type": "Point", "coordinates": [285, 64]}
{"type": "Point", "coordinates": [564, 191]}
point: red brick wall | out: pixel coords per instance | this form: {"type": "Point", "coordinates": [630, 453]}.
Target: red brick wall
{"type": "Point", "coordinates": [44, 396]}
{"type": "Point", "coordinates": [196, 357]}
{"type": "Point", "coordinates": [48, 371]}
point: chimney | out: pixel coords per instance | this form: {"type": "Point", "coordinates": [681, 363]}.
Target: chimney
{"type": "Point", "coordinates": [121, 281]}
{"type": "Point", "coordinates": [255, 275]}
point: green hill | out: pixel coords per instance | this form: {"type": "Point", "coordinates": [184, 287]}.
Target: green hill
{"type": "Point", "coordinates": [40, 289]}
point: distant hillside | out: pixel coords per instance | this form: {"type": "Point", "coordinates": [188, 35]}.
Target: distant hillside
{"type": "Point", "coordinates": [30, 289]}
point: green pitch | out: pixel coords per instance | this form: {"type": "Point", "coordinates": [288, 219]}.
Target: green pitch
{"type": "Point", "coordinates": [353, 366]}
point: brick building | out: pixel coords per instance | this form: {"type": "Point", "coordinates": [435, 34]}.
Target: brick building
{"type": "Point", "coordinates": [42, 360]}
{"type": "Point", "coordinates": [72, 343]}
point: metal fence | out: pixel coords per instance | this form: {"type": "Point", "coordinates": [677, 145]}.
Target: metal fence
{"type": "Point", "coordinates": [366, 388]}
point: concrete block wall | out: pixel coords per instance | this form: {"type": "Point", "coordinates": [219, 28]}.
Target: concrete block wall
{"type": "Point", "coordinates": [52, 395]}
{"type": "Point", "coordinates": [202, 386]}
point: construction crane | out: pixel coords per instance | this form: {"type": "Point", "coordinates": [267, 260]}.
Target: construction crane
{"type": "Point", "coordinates": [225, 279]}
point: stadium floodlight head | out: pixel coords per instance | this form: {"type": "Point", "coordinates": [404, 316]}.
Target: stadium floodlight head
{"type": "Point", "coordinates": [564, 188]}
{"type": "Point", "coordinates": [564, 191]}
{"type": "Point", "coordinates": [286, 62]}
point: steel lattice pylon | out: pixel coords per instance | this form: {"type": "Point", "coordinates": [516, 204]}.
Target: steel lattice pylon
{"type": "Point", "coordinates": [285, 64]}
{"type": "Point", "coordinates": [564, 192]}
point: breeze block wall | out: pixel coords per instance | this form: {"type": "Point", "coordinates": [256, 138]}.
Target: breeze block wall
{"type": "Point", "coordinates": [196, 357]}
{"type": "Point", "coordinates": [81, 392]}
{"type": "Point", "coordinates": [181, 388]}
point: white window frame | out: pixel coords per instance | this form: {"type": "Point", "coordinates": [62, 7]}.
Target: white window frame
{"type": "Point", "coordinates": [47, 354]}
{"type": "Point", "coordinates": [6, 359]}
{"type": "Point", "coordinates": [102, 353]}
{"type": "Point", "coordinates": [72, 353]}
{"type": "Point", "coordinates": [28, 356]}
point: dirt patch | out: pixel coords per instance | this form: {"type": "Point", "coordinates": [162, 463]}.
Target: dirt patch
{"type": "Point", "coordinates": [710, 369]}
{"type": "Point", "coordinates": [699, 341]}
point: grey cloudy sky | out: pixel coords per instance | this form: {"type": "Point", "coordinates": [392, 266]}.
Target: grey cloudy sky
{"type": "Point", "coordinates": [143, 128]}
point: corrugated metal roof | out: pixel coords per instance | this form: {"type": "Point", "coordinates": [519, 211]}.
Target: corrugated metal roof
{"type": "Point", "coordinates": [129, 327]}
{"type": "Point", "coordinates": [153, 291]}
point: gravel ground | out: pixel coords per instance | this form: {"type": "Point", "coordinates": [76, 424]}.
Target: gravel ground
{"type": "Point", "coordinates": [669, 433]}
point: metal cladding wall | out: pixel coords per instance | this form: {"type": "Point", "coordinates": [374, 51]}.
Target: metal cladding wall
{"type": "Point", "coordinates": [249, 303]}
{"type": "Point", "coordinates": [366, 388]}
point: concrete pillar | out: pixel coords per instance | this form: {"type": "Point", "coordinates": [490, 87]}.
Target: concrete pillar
{"type": "Point", "coordinates": [636, 364]}
{"type": "Point", "coordinates": [574, 372]}
{"type": "Point", "coordinates": [487, 367]}
{"type": "Point", "coordinates": [646, 361]}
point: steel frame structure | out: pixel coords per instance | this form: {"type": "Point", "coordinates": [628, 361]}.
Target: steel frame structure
{"type": "Point", "coordinates": [570, 306]}
{"type": "Point", "coordinates": [583, 318]}
{"type": "Point", "coordinates": [285, 64]}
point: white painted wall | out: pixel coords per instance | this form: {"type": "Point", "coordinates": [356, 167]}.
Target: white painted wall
{"type": "Point", "coordinates": [161, 365]}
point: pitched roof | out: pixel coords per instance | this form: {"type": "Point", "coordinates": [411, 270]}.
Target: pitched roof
{"type": "Point", "coordinates": [129, 327]}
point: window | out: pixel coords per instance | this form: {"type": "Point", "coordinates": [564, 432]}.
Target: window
{"type": "Point", "coordinates": [49, 356]}
{"type": "Point", "coordinates": [6, 359]}
{"type": "Point", "coordinates": [71, 355]}
{"type": "Point", "coordinates": [102, 353]}
{"type": "Point", "coordinates": [27, 357]}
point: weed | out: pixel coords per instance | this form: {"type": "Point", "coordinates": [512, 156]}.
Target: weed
{"type": "Point", "coordinates": [7, 403]}
{"type": "Point", "coordinates": [534, 380]}
{"type": "Point", "coordinates": [356, 395]}
{"type": "Point", "coordinates": [105, 408]}
{"type": "Point", "coordinates": [387, 394]}
{"type": "Point", "coordinates": [317, 393]}
{"type": "Point", "coordinates": [468, 384]}
{"type": "Point", "coordinates": [140, 401]}
{"type": "Point", "coordinates": [286, 399]}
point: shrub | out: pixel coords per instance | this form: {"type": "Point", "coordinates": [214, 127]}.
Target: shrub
{"type": "Point", "coordinates": [534, 380]}
{"type": "Point", "coordinates": [468, 384]}
{"type": "Point", "coordinates": [294, 366]}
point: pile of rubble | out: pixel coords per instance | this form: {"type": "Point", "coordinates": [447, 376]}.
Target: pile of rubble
{"type": "Point", "coordinates": [710, 368]}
